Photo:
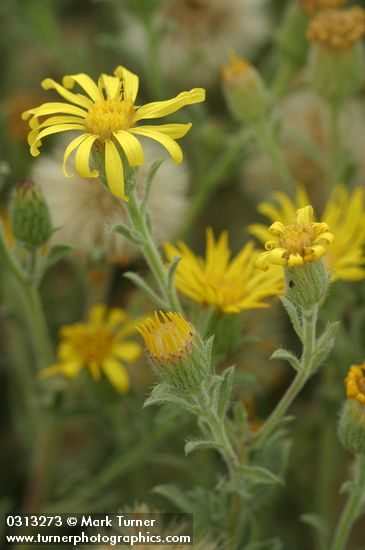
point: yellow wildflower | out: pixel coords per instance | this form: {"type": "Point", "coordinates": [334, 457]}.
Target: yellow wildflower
{"type": "Point", "coordinates": [344, 213]}
{"type": "Point", "coordinates": [337, 29]}
{"type": "Point", "coordinates": [167, 340]}
{"type": "Point", "coordinates": [230, 285]}
{"type": "Point", "coordinates": [99, 345]}
{"type": "Point", "coordinates": [295, 244]}
{"type": "Point", "coordinates": [355, 383]}
{"type": "Point", "coordinates": [108, 119]}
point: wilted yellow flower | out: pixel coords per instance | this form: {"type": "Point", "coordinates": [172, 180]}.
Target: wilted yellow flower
{"type": "Point", "coordinates": [167, 340]}
{"type": "Point", "coordinates": [355, 383]}
{"type": "Point", "coordinates": [337, 29]}
{"type": "Point", "coordinates": [98, 345]}
{"type": "Point", "coordinates": [344, 213]}
{"type": "Point", "coordinates": [293, 245]}
{"type": "Point", "coordinates": [312, 6]}
{"type": "Point", "coordinates": [230, 285]}
{"type": "Point", "coordinates": [108, 119]}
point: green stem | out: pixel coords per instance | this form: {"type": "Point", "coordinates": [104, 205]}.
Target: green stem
{"type": "Point", "coordinates": [39, 330]}
{"type": "Point", "coordinates": [269, 144]}
{"type": "Point", "coordinates": [353, 506]}
{"type": "Point", "coordinates": [309, 338]}
{"type": "Point", "coordinates": [335, 168]}
{"type": "Point", "coordinates": [150, 251]}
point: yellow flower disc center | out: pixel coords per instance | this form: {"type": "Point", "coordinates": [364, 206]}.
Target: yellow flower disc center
{"type": "Point", "coordinates": [93, 344]}
{"type": "Point", "coordinates": [297, 237]}
{"type": "Point", "coordinates": [108, 116]}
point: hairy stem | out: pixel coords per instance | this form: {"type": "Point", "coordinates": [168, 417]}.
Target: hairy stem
{"type": "Point", "coordinates": [353, 506]}
{"type": "Point", "coordinates": [309, 338]}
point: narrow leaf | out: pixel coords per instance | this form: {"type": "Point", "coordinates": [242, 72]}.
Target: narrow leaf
{"type": "Point", "coordinates": [293, 315]}
{"type": "Point", "coordinates": [171, 272]}
{"type": "Point", "coordinates": [56, 253]}
{"type": "Point", "coordinates": [198, 444]}
{"type": "Point", "coordinates": [225, 392]}
{"type": "Point", "coordinates": [144, 287]}
{"type": "Point", "coordinates": [259, 475]}
{"type": "Point", "coordinates": [150, 178]}
{"type": "Point", "coordinates": [288, 356]}
{"type": "Point", "coordinates": [317, 522]}
{"type": "Point", "coordinates": [325, 344]}
{"type": "Point", "coordinates": [129, 234]}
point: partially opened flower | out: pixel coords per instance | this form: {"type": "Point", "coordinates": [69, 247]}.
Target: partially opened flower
{"type": "Point", "coordinates": [231, 285]}
{"type": "Point", "coordinates": [107, 117]}
{"type": "Point", "coordinates": [355, 383]}
{"type": "Point", "coordinates": [99, 345]}
{"type": "Point", "coordinates": [344, 214]}
{"type": "Point", "coordinates": [296, 244]}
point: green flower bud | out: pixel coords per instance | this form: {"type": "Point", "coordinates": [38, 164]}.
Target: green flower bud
{"type": "Point", "coordinates": [351, 428]}
{"type": "Point", "coordinates": [306, 285]}
{"type": "Point", "coordinates": [30, 218]}
{"type": "Point", "coordinates": [245, 92]}
{"type": "Point", "coordinates": [291, 37]}
{"type": "Point", "coordinates": [336, 63]}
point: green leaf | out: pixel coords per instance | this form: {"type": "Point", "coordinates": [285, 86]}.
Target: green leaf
{"type": "Point", "coordinates": [171, 272]}
{"type": "Point", "coordinates": [317, 522]}
{"type": "Point", "coordinates": [128, 233]}
{"type": "Point", "coordinates": [288, 356]}
{"type": "Point", "coordinates": [293, 315]}
{"type": "Point", "coordinates": [146, 289]}
{"type": "Point", "coordinates": [325, 344]}
{"type": "Point", "coordinates": [198, 444]}
{"type": "Point", "coordinates": [259, 476]}
{"type": "Point", "coordinates": [163, 393]}
{"type": "Point", "coordinates": [241, 417]}
{"type": "Point", "coordinates": [56, 253]}
{"type": "Point", "coordinates": [174, 495]}
{"type": "Point", "coordinates": [150, 178]}
{"type": "Point", "coordinates": [226, 387]}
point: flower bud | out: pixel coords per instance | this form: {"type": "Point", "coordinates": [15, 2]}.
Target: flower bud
{"type": "Point", "coordinates": [245, 93]}
{"type": "Point", "coordinates": [175, 349]}
{"type": "Point", "coordinates": [291, 37]}
{"type": "Point", "coordinates": [30, 217]}
{"type": "Point", "coordinates": [306, 285]}
{"type": "Point", "coordinates": [336, 63]}
{"type": "Point", "coordinates": [351, 429]}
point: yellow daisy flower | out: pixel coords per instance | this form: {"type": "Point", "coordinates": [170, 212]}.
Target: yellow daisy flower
{"type": "Point", "coordinates": [107, 118]}
{"type": "Point", "coordinates": [355, 383]}
{"type": "Point", "coordinates": [168, 338]}
{"type": "Point", "coordinates": [99, 345]}
{"type": "Point", "coordinates": [344, 213]}
{"type": "Point", "coordinates": [231, 285]}
{"type": "Point", "coordinates": [296, 244]}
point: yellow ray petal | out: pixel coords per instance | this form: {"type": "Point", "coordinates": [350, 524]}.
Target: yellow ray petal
{"type": "Point", "coordinates": [53, 120]}
{"type": "Point", "coordinates": [82, 158]}
{"type": "Point", "coordinates": [164, 108]}
{"type": "Point", "coordinates": [36, 142]}
{"type": "Point", "coordinates": [128, 351]}
{"type": "Point", "coordinates": [174, 131]}
{"type": "Point", "coordinates": [130, 83]}
{"type": "Point", "coordinates": [69, 149]}
{"type": "Point", "coordinates": [114, 170]}
{"type": "Point", "coordinates": [131, 146]}
{"type": "Point", "coordinates": [67, 368]}
{"type": "Point", "coordinates": [111, 84]}
{"type": "Point", "coordinates": [117, 374]}
{"type": "Point", "coordinates": [83, 80]}
{"type": "Point", "coordinates": [172, 147]}
{"type": "Point", "coordinates": [50, 84]}
{"type": "Point", "coordinates": [52, 108]}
